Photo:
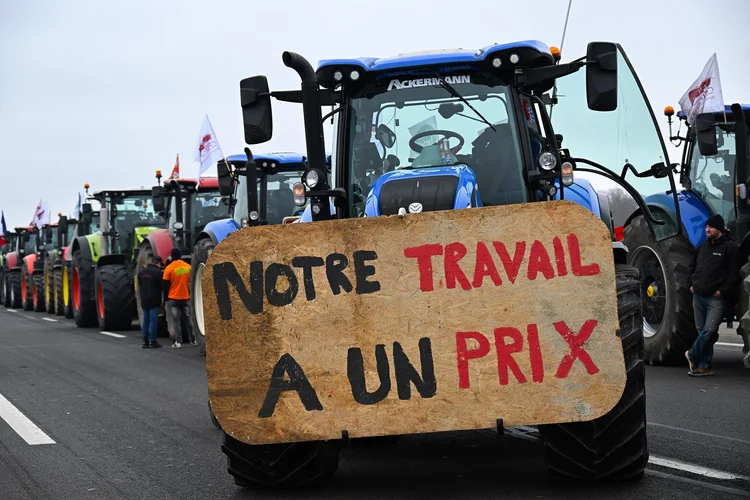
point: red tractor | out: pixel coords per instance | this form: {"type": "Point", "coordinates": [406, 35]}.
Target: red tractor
{"type": "Point", "coordinates": [18, 286]}
{"type": "Point", "coordinates": [187, 207]}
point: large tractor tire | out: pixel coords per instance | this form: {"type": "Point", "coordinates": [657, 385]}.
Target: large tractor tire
{"type": "Point", "coordinates": [668, 325]}
{"type": "Point", "coordinates": [37, 292]}
{"type": "Point", "coordinates": [84, 305]}
{"type": "Point", "coordinates": [3, 286]}
{"type": "Point", "coordinates": [57, 283]}
{"type": "Point", "coordinates": [612, 447]}
{"type": "Point", "coordinates": [114, 297]}
{"type": "Point", "coordinates": [743, 311]}
{"type": "Point", "coordinates": [27, 288]}
{"type": "Point", "coordinates": [198, 264]}
{"type": "Point", "coordinates": [49, 286]}
{"type": "Point", "coordinates": [283, 465]}
{"type": "Point", "coordinates": [164, 324]}
{"type": "Point", "coordinates": [15, 281]}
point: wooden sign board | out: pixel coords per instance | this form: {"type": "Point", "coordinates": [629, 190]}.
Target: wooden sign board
{"type": "Point", "coordinates": [436, 321]}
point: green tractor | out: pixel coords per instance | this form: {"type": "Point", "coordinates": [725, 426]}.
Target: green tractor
{"type": "Point", "coordinates": [57, 240]}
{"type": "Point", "coordinates": [103, 263]}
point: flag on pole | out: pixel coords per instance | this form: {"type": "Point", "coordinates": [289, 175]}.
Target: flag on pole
{"type": "Point", "coordinates": [207, 149]}
{"type": "Point", "coordinates": [704, 95]}
{"type": "Point", "coordinates": [176, 170]}
{"type": "Point", "coordinates": [3, 229]}
{"type": "Point", "coordinates": [41, 215]}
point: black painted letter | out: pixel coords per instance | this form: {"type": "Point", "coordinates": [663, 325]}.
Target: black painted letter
{"type": "Point", "coordinates": [355, 368]}
{"type": "Point", "coordinates": [335, 265]}
{"type": "Point", "coordinates": [224, 274]}
{"type": "Point", "coordinates": [307, 263]}
{"type": "Point", "coordinates": [362, 271]}
{"type": "Point", "coordinates": [297, 382]}
{"type": "Point", "coordinates": [276, 298]}
{"type": "Point", "coordinates": [406, 373]}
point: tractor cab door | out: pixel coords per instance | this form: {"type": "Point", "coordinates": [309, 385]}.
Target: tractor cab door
{"type": "Point", "coordinates": [614, 139]}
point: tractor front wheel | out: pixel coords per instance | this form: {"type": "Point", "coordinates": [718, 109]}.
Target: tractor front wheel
{"type": "Point", "coordinates": [84, 306]}
{"type": "Point", "coordinates": [15, 280]}
{"type": "Point", "coordinates": [49, 286]}
{"type": "Point", "coordinates": [668, 326]}
{"type": "Point", "coordinates": [57, 283]}
{"type": "Point", "coordinates": [38, 292]}
{"type": "Point", "coordinates": [613, 446]}
{"type": "Point", "coordinates": [27, 288]}
{"type": "Point", "coordinates": [114, 297]}
{"type": "Point", "coordinates": [200, 255]}
{"type": "Point", "coordinates": [284, 465]}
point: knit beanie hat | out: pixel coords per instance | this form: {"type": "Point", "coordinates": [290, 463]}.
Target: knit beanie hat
{"type": "Point", "coordinates": [716, 221]}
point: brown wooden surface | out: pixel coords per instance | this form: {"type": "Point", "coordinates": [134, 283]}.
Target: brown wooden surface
{"type": "Point", "coordinates": [242, 351]}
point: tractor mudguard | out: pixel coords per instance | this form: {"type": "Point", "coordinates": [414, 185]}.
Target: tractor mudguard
{"type": "Point", "coordinates": [12, 261]}
{"type": "Point", "coordinates": [220, 229]}
{"type": "Point", "coordinates": [582, 193]}
{"type": "Point", "coordinates": [30, 261]}
{"type": "Point", "coordinates": [693, 213]}
{"type": "Point", "coordinates": [161, 243]}
{"type": "Point", "coordinates": [117, 258]}
{"type": "Point", "coordinates": [90, 246]}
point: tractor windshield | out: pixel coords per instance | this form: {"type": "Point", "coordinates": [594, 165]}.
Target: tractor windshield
{"type": "Point", "coordinates": [712, 177]}
{"type": "Point", "coordinates": [128, 212]}
{"type": "Point", "coordinates": [206, 207]}
{"type": "Point", "coordinates": [30, 246]}
{"type": "Point", "coordinates": [418, 123]}
{"type": "Point", "coordinates": [278, 193]}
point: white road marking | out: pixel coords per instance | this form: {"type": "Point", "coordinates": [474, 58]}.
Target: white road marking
{"type": "Point", "coordinates": [730, 344]}
{"type": "Point", "coordinates": [115, 335]}
{"type": "Point", "coordinates": [50, 320]}
{"type": "Point", "coordinates": [11, 310]}
{"type": "Point", "coordinates": [21, 424]}
{"type": "Point", "coordinates": [707, 434]}
{"type": "Point", "coordinates": [694, 469]}
{"type": "Point", "coordinates": [700, 484]}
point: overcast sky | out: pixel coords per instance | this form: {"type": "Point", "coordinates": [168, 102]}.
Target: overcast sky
{"type": "Point", "coordinates": [107, 92]}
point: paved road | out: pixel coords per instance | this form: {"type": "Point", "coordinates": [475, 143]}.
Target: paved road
{"type": "Point", "coordinates": [129, 423]}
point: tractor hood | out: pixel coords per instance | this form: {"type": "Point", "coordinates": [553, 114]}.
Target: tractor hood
{"type": "Point", "coordinates": [423, 190]}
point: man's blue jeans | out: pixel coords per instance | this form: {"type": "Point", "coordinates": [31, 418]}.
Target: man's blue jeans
{"type": "Point", "coordinates": [149, 323]}
{"type": "Point", "coordinates": [708, 312]}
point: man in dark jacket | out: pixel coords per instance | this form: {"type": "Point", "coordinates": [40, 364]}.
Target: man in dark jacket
{"type": "Point", "coordinates": [714, 277]}
{"type": "Point", "coordinates": [150, 289]}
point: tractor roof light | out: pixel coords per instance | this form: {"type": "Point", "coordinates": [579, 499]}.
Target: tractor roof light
{"type": "Point", "coordinates": [567, 173]}
{"type": "Point", "coordinates": [354, 75]}
{"type": "Point", "coordinates": [497, 62]}
{"type": "Point", "coordinates": [299, 194]}
{"type": "Point", "coordinates": [338, 75]}
{"type": "Point", "coordinates": [668, 111]}
{"type": "Point", "coordinates": [556, 54]}
{"type": "Point", "coordinates": [515, 58]}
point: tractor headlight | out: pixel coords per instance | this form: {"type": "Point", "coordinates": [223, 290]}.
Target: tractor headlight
{"type": "Point", "coordinates": [253, 215]}
{"type": "Point", "coordinates": [547, 161]}
{"type": "Point", "coordinates": [178, 225]}
{"type": "Point", "coordinates": [311, 178]}
{"type": "Point", "coordinates": [567, 173]}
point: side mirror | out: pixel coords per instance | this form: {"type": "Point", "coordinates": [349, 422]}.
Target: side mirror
{"type": "Point", "coordinates": [157, 198]}
{"type": "Point", "coordinates": [386, 136]}
{"type": "Point", "coordinates": [62, 231]}
{"type": "Point", "coordinates": [226, 181]}
{"type": "Point", "coordinates": [86, 213]}
{"type": "Point", "coordinates": [706, 134]}
{"type": "Point", "coordinates": [48, 236]}
{"type": "Point", "coordinates": [601, 76]}
{"type": "Point", "coordinates": [255, 100]}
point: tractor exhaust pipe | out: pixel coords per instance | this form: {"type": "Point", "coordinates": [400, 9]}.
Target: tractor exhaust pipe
{"type": "Point", "coordinates": [310, 109]}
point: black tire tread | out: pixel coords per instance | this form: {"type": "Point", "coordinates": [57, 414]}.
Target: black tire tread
{"type": "Point", "coordinates": [16, 301]}
{"type": "Point", "coordinates": [282, 465]}
{"type": "Point", "coordinates": [677, 331]}
{"type": "Point", "coordinates": [38, 292]}
{"type": "Point", "coordinates": [57, 280]}
{"type": "Point", "coordinates": [118, 295]}
{"type": "Point", "coordinates": [200, 255]}
{"type": "Point", "coordinates": [614, 446]}
{"type": "Point", "coordinates": [86, 315]}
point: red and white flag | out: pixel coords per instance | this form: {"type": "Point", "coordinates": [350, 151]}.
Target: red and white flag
{"type": "Point", "coordinates": [207, 149]}
{"type": "Point", "coordinates": [704, 95]}
{"type": "Point", "coordinates": [41, 215]}
{"type": "Point", "coordinates": [176, 170]}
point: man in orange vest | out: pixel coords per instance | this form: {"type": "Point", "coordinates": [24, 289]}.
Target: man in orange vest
{"type": "Point", "coordinates": [177, 296]}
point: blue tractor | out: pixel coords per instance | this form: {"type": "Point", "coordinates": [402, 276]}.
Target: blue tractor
{"type": "Point", "coordinates": [714, 174]}
{"type": "Point", "coordinates": [458, 129]}
{"type": "Point", "coordinates": [257, 196]}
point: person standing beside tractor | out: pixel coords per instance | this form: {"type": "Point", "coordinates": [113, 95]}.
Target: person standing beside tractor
{"type": "Point", "coordinates": [714, 276]}
{"type": "Point", "coordinates": [176, 291]}
{"type": "Point", "coordinates": [150, 288]}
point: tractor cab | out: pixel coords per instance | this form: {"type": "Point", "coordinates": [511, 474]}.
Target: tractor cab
{"type": "Point", "coordinates": [130, 216]}
{"type": "Point", "coordinates": [188, 206]}
{"type": "Point", "coordinates": [26, 242]}
{"type": "Point", "coordinates": [505, 124]}
{"type": "Point", "coordinates": [48, 240]}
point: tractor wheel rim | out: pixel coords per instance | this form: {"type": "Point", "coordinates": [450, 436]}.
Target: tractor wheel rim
{"type": "Point", "coordinates": [198, 298]}
{"type": "Point", "coordinates": [653, 288]}
{"type": "Point", "coordinates": [100, 299]}
{"type": "Point", "coordinates": [65, 284]}
{"type": "Point", "coordinates": [76, 290]}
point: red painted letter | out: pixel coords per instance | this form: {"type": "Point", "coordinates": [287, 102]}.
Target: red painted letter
{"type": "Point", "coordinates": [562, 269]}
{"type": "Point", "coordinates": [423, 254]}
{"type": "Point", "coordinates": [504, 352]}
{"type": "Point", "coordinates": [539, 262]}
{"type": "Point", "coordinates": [574, 250]}
{"type": "Point", "coordinates": [485, 267]}
{"type": "Point", "coordinates": [453, 253]}
{"type": "Point", "coordinates": [511, 267]}
{"type": "Point", "coordinates": [576, 352]}
{"type": "Point", "coordinates": [464, 354]}
{"type": "Point", "coordinates": [535, 354]}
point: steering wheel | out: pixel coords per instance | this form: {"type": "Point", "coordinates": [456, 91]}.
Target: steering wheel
{"type": "Point", "coordinates": [445, 133]}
